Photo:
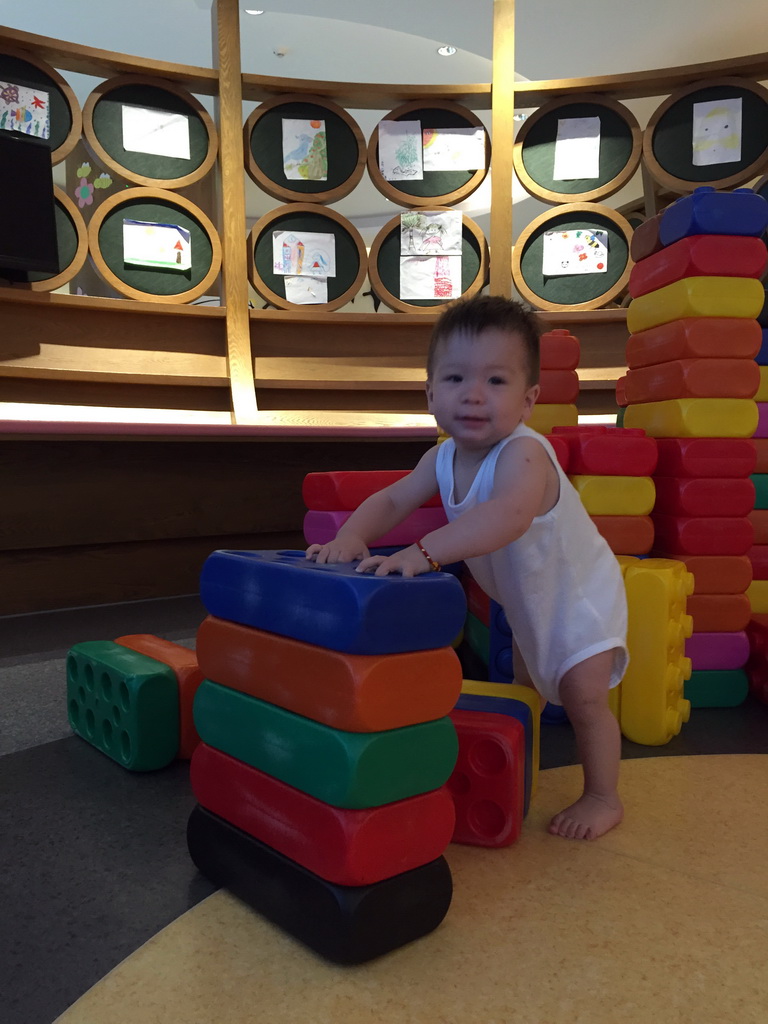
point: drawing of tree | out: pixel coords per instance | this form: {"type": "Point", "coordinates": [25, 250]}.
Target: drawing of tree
{"type": "Point", "coordinates": [315, 165]}
{"type": "Point", "coordinates": [411, 221]}
{"type": "Point", "coordinates": [406, 153]}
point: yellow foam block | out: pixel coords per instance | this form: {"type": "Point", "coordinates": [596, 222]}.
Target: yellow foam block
{"type": "Point", "coordinates": [695, 417]}
{"type": "Point", "coordinates": [653, 708]}
{"type": "Point", "coordinates": [516, 692]}
{"type": "Point", "coordinates": [757, 592]}
{"type": "Point", "coordinates": [615, 495]}
{"type": "Point", "coordinates": [614, 695]}
{"type": "Point", "coordinates": [545, 417]}
{"type": "Point", "coordinates": [696, 296]}
{"type": "Point", "coordinates": [762, 391]}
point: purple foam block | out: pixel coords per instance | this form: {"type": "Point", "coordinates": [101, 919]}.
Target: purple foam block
{"type": "Point", "coordinates": [322, 527]}
{"type": "Point", "coordinates": [717, 651]}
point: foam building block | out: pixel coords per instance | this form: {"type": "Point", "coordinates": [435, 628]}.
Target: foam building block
{"type": "Point", "coordinates": [615, 495]}
{"type": "Point", "coordinates": [346, 769]}
{"type": "Point", "coordinates": [761, 430]}
{"type": "Point", "coordinates": [757, 663]}
{"type": "Point", "coordinates": [352, 692]}
{"type": "Point", "coordinates": [608, 451]}
{"type": "Point", "coordinates": [488, 781]}
{"type": "Point", "coordinates": [757, 594]}
{"type": "Point", "coordinates": [723, 689]}
{"type": "Point", "coordinates": [344, 924]}
{"type": "Point", "coordinates": [758, 517]}
{"type": "Point", "coordinates": [558, 387]}
{"type": "Point", "coordinates": [333, 605]}
{"type": "Point", "coordinates": [322, 527]}
{"type": "Point", "coordinates": [728, 457]}
{"type": "Point", "coordinates": [331, 492]}
{"type": "Point", "coordinates": [477, 636]}
{"type": "Point", "coordinates": [696, 296]}
{"type": "Point", "coordinates": [123, 703]}
{"type": "Point", "coordinates": [653, 707]}
{"type": "Point", "coordinates": [514, 691]}
{"type": "Point", "coordinates": [559, 350]}
{"type": "Point", "coordinates": [699, 256]}
{"type": "Point", "coordinates": [680, 535]}
{"type": "Point", "coordinates": [516, 709]}
{"type": "Point", "coordinates": [703, 496]}
{"type": "Point", "coordinates": [188, 674]}
{"type": "Point", "coordinates": [760, 445]}
{"type": "Point", "coordinates": [713, 612]}
{"type": "Point", "coordinates": [708, 212]}
{"type": "Point", "coordinates": [560, 449]}
{"type": "Point", "coordinates": [719, 574]}
{"type": "Point", "coordinates": [545, 417]}
{"type": "Point", "coordinates": [695, 417]}
{"type": "Point", "coordinates": [626, 535]}
{"type": "Point", "coordinates": [761, 395]}
{"type": "Point", "coordinates": [693, 378]}
{"type": "Point", "coordinates": [645, 239]}
{"type": "Point", "coordinates": [478, 602]}
{"type": "Point", "coordinates": [760, 483]}
{"type": "Point", "coordinates": [704, 337]}
{"type": "Point", "coordinates": [758, 559]}
{"type": "Point", "coordinates": [717, 650]}
{"type": "Point", "coordinates": [348, 847]}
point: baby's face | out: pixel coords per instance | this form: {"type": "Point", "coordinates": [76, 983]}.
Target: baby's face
{"type": "Point", "coordinates": [479, 390]}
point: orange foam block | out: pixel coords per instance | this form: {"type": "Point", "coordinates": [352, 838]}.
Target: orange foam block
{"type": "Point", "coordinates": [626, 535]}
{"type": "Point", "coordinates": [759, 519]}
{"type": "Point", "coordinates": [184, 664]}
{"type": "Point", "coordinates": [719, 574]}
{"type": "Point", "coordinates": [693, 378]}
{"type": "Point", "coordinates": [697, 337]}
{"type": "Point", "coordinates": [719, 613]}
{"type": "Point", "coordinates": [350, 692]}
{"type": "Point", "coordinates": [559, 350]}
{"type": "Point", "coordinates": [558, 386]}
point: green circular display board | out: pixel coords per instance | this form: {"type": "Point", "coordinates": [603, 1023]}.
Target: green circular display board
{"type": "Point", "coordinates": [106, 239]}
{"type": "Point", "coordinates": [384, 268]}
{"type": "Point", "coordinates": [65, 118]}
{"type": "Point", "coordinates": [441, 188]}
{"type": "Point", "coordinates": [668, 140]}
{"type": "Point", "coordinates": [620, 147]}
{"type": "Point", "coordinates": [68, 243]}
{"type": "Point", "coordinates": [103, 126]}
{"type": "Point", "coordinates": [350, 255]}
{"type": "Point", "coordinates": [572, 291]}
{"type": "Point", "coordinates": [345, 148]}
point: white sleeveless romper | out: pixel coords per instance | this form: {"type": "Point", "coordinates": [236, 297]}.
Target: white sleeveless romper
{"type": "Point", "coordinates": [559, 584]}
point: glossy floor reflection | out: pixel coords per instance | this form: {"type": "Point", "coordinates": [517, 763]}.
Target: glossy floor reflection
{"type": "Point", "coordinates": [662, 920]}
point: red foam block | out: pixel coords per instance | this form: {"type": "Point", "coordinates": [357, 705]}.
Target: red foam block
{"type": "Point", "coordinates": [703, 496]}
{"type": "Point", "coordinates": [685, 535]}
{"type": "Point", "coordinates": [731, 457]}
{"type": "Point", "coordinates": [612, 451]}
{"type": "Point", "coordinates": [698, 256]}
{"type": "Point", "coordinates": [559, 350]}
{"type": "Point", "coordinates": [695, 337]}
{"type": "Point", "coordinates": [347, 847]}
{"type": "Point", "coordinates": [322, 527]}
{"type": "Point", "coordinates": [346, 490]}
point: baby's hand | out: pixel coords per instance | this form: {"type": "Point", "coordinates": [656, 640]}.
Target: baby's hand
{"type": "Point", "coordinates": [408, 562]}
{"type": "Point", "coordinates": [341, 549]}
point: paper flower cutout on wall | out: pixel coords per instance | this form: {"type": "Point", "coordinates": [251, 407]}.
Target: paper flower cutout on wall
{"type": "Point", "coordinates": [84, 193]}
{"type": "Point", "coordinates": [103, 180]}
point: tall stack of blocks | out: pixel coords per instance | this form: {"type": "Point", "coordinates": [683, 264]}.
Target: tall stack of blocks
{"type": "Point", "coordinates": [559, 353]}
{"type": "Point", "coordinates": [691, 383]}
{"type": "Point", "coordinates": [326, 747]}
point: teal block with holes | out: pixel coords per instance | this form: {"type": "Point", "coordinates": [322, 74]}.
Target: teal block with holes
{"type": "Point", "coordinates": [124, 703]}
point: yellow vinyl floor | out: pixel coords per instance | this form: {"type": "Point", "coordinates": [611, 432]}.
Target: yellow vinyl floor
{"type": "Point", "coordinates": [662, 921]}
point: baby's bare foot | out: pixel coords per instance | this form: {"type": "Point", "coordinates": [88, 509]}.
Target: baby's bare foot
{"type": "Point", "coordinates": [590, 817]}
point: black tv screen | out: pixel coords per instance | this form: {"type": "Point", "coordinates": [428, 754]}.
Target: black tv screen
{"type": "Point", "coordinates": [27, 211]}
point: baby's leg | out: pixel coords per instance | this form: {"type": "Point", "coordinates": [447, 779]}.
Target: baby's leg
{"type": "Point", "coordinates": [521, 673]}
{"type": "Point", "coordinates": [584, 693]}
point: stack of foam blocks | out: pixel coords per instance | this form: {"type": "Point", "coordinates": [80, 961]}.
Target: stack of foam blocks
{"type": "Point", "coordinates": [559, 352]}
{"type": "Point", "coordinates": [326, 745]}
{"type": "Point", "coordinates": [691, 383]}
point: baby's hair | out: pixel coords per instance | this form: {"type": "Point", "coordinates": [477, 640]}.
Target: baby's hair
{"type": "Point", "coordinates": [471, 316]}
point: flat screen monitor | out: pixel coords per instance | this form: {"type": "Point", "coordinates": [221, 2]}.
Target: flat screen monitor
{"type": "Point", "coordinates": [27, 208]}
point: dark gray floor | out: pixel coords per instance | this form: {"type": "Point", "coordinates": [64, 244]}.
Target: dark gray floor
{"type": "Point", "coordinates": [94, 858]}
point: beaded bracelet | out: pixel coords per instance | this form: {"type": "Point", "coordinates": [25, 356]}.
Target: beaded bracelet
{"type": "Point", "coordinates": [434, 566]}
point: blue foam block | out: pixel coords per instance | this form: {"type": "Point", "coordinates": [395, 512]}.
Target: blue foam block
{"type": "Point", "coordinates": [515, 709]}
{"type": "Point", "coordinates": [708, 212]}
{"type": "Point", "coordinates": [332, 605]}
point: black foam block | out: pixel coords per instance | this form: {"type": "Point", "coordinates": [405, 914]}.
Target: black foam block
{"type": "Point", "coordinates": [344, 924]}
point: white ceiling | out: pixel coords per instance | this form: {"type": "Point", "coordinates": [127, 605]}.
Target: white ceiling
{"type": "Point", "coordinates": [396, 41]}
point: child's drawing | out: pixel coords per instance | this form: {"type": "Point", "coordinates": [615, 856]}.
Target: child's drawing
{"type": "Point", "coordinates": [146, 244]}
{"type": "Point", "coordinates": [717, 132]}
{"type": "Point", "coordinates": [305, 156]}
{"type": "Point", "coordinates": [24, 110]}
{"type": "Point", "coordinates": [425, 234]}
{"type": "Point", "coordinates": [400, 150]}
{"type": "Point", "coordinates": [453, 149]}
{"type": "Point", "coordinates": [577, 148]}
{"type": "Point", "coordinates": [430, 277]}
{"type": "Point", "coordinates": [578, 251]}
{"type": "Point", "coordinates": [304, 253]}
{"type": "Point", "coordinates": [157, 132]}
{"type": "Point", "coordinates": [306, 290]}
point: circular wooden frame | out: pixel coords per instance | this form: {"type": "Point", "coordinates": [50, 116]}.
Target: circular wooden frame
{"type": "Point", "coordinates": [76, 128]}
{"type": "Point", "coordinates": [283, 192]}
{"type": "Point", "coordinates": [608, 188]}
{"type": "Point", "coordinates": [268, 221]}
{"type": "Point", "coordinates": [50, 284]}
{"type": "Point", "coordinates": [102, 91]}
{"type": "Point", "coordinates": [389, 189]}
{"type": "Point", "coordinates": [589, 210]}
{"type": "Point", "coordinates": [173, 199]}
{"type": "Point", "coordinates": [677, 184]}
{"type": "Point", "coordinates": [394, 301]}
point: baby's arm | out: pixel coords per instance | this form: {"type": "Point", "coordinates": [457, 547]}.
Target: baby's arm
{"type": "Point", "coordinates": [520, 493]}
{"type": "Point", "coordinates": [379, 513]}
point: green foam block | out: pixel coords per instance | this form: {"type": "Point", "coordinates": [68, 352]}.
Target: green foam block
{"type": "Point", "coordinates": [124, 703]}
{"type": "Point", "coordinates": [726, 688]}
{"type": "Point", "coordinates": [345, 769]}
